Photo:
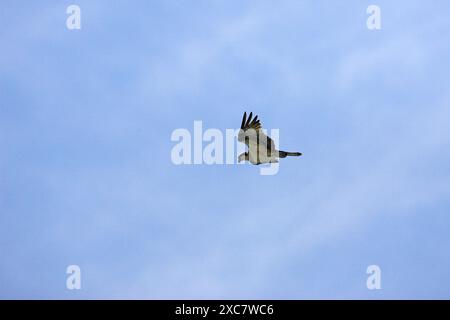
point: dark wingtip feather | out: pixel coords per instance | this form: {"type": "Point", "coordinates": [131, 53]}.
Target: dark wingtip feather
{"type": "Point", "coordinates": [249, 119]}
{"type": "Point", "coordinates": [243, 120]}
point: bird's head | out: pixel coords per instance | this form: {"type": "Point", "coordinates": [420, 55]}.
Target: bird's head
{"type": "Point", "coordinates": [243, 157]}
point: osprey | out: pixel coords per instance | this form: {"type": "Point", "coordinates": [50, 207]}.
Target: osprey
{"type": "Point", "coordinates": [261, 149]}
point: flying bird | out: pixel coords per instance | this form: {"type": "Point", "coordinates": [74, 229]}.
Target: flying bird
{"type": "Point", "coordinates": [261, 148]}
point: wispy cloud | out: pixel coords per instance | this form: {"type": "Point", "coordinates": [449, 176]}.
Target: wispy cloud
{"type": "Point", "coordinates": [86, 176]}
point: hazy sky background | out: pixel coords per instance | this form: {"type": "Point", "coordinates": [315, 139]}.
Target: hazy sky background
{"type": "Point", "coordinates": [86, 176]}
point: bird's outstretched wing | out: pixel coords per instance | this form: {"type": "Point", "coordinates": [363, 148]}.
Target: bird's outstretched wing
{"type": "Point", "coordinates": [256, 136]}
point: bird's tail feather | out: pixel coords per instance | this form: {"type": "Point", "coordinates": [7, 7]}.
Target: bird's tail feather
{"type": "Point", "coordinates": [284, 154]}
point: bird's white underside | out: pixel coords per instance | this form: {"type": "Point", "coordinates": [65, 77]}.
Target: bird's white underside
{"type": "Point", "coordinates": [262, 157]}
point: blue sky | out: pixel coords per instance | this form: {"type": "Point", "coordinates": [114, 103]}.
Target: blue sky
{"type": "Point", "coordinates": [86, 176]}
